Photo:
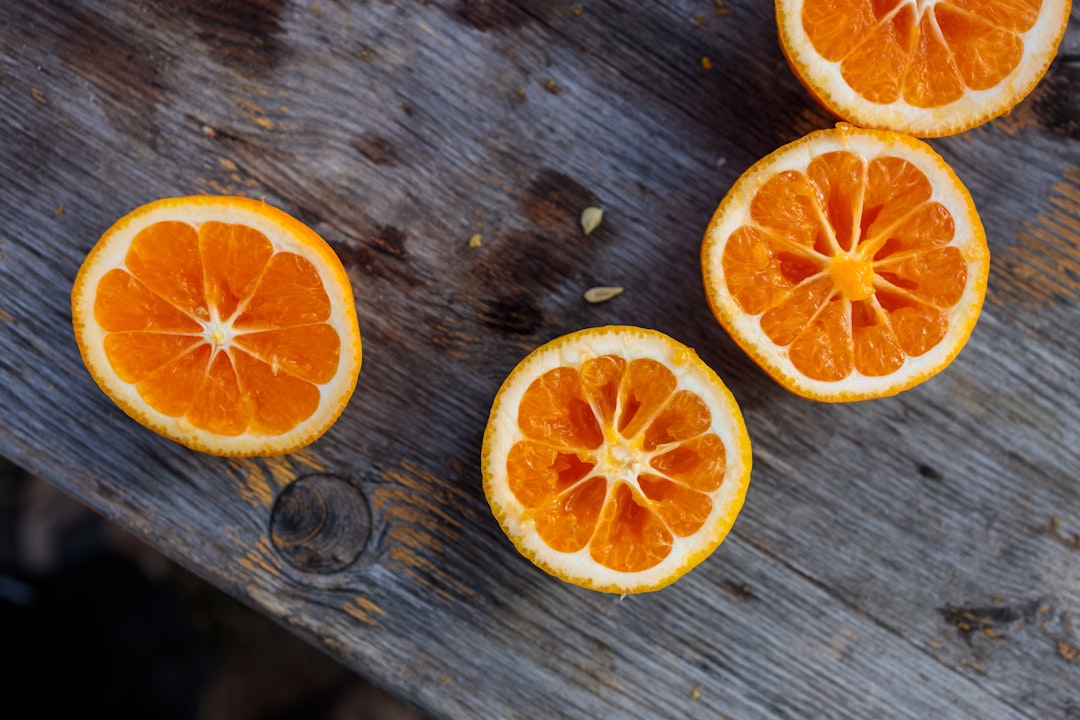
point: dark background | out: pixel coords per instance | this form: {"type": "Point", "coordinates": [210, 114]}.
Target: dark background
{"type": "Point", "coordinates": [94, 620]}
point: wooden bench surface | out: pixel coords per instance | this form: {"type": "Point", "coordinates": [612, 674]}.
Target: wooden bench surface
{"type": "Point", "coordinates": [911, 557]}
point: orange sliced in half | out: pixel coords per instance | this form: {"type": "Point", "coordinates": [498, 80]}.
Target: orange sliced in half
{"type": "Point", "coordinates": [850, 264]}
{"type": "Point", "coordinates": [924, 67]}
{"type": "Point", "coordinates": [615, 459]}
{"type": "Point", "coordinates": [221, 323]}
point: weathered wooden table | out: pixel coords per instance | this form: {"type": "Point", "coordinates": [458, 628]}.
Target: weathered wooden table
{"type": "Point", "coordinates": [911, 557]}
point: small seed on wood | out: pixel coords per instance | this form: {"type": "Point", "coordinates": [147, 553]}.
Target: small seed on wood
{"type": "Point", "coordinates": [602, 294]}
{"type": "Point", "coordinates": [476, 240]}
{"type": "Point", "coordinates": [590, 219]}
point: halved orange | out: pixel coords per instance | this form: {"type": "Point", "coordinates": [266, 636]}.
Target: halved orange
{"type": "Point", "coordinates": [615, 459]}
{"type": "Point", "coordinates": [925, 67]}
{"type": "Point", "coordinates": [221, 323]}
{"type": "Point", "coordinates": [850, 264]}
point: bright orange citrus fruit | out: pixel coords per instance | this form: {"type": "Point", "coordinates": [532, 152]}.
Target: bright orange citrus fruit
{"type": "Point", "coordinates": [924, 67]}
{"type": "Point", "coordinates": [850, 264]}
{"type": "Point", "coordinates": [221, 323]}
{"type": "Point", "coordinates": [615, 459]}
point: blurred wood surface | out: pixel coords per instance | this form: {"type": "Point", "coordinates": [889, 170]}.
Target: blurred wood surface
{"type": "Point", "coordinates": [911, 557]}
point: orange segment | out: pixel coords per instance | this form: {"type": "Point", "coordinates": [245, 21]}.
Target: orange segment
{"type": "Point", "coordinates": [275, 402]}
{"type": "Point", "coordinates": [1017, 16]}
{"type": "Point", "coordinates": [630, 537]}
{"type": "Point", "coordinates": [838, 177]}
{"type": "Point", "coordinates": [931, 77]}
{"type": "Point", "coordinates": [615, 459]}
{"type": "Point", "coordinates": [678, 508]}
{"type": "Point", "coordinates": [786, 207]}
{"type": "Point", "coordinates": [123, 303]}
{"type": "Point", "coordinates": [233, 257]}
{"type": "Point", "coordinates": [567, 522]}
{"type": "Point", "coordinates": [834, 24]}
{"type": "Point", "coordinates": [890, 288]}
{"type": "Point", "coordinates": [684, 416]}
{"type": "Point", "coordinates": [307, 352]}
{"type": "Point", "coordinates": [171, 388]}
{"type": "Point", "coordinates": [135, 355]}
{"type": "Point", "coordinates": [823, 350]}
{"type": "Point", "coordinates": [539, 472]}
{"type": "Point", "coordinates": [698, 463]}
{"type": "Point", "coordinates": [936, 276]}
{"type": "Point", "coordinates": [918, 328]}
{"type": "Point", "coordinates": [601, 378]}
{"type": "Point", "coordinates": [554, 410]}
{"type": "Point", "coordinates": [754, 267]}
{"type": "Point", "coordinates": [645, 388]}
{"type": "Point", "coordinates": [204, 329]}
{"type": "Point", "coordinates": [925, 68]}
{"type": "Point", "coordinates": [790, 313]}
{"type": "Point", "coordinates": [290, 292]}
{"type": "Point", "coordinates": [876, 348]}
{"type": "Point", "coordinates": [983, 52]}
{"type": "Point", "coordinates": [219, 405]}
{"type": "Point", "coordinates": [874, 64]}
{"type": "Point", "coordinates": [165, 258]}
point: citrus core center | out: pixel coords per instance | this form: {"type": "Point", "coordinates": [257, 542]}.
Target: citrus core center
{"type": "Point", "coordinates": [621, 463]}
{"type": "Point", "coordinates": [218, 334]}
{"type": "Point", "coordinates": [853, 276]}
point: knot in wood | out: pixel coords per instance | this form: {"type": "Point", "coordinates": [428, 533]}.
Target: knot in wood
{"type": "Point", "coordinates": [320, 523]}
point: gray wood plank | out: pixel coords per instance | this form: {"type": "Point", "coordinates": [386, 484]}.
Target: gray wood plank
{"type": "Point", "coordinates": [911, 557]}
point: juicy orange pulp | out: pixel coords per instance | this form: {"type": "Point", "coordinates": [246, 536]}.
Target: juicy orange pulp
{"type": "Point", "coordinates": [211, 324]}
{"type": "Point", "coordinates": [925, 53]}
{"type": "Point", "coordinates": [623, 486]}
{"type": "Point", "coordinates": [847, 265]}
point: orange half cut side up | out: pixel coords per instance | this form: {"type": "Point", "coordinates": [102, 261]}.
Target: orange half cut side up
{"type": "Point", "coordinates": [921, 67]}
{"type": "Point", "coordinates": [221, 323]}
{"type": "Point", "coordinates": [850, 264]}
{"type": "Point", "coordinates": [615, 459]}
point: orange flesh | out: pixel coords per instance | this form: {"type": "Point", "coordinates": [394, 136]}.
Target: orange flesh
{"type": "Point", "coordinates": [847, 264]}
{"type": "Point", "coordinates": [615, 459]}
{"type": "Point", "coordinates": [927, 54]}
{"type": "Point", "coordinates": [210, 324]}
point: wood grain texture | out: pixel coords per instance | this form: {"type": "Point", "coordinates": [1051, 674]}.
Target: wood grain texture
{"type": "Point", "coordinates": [911, 557]}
